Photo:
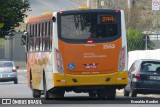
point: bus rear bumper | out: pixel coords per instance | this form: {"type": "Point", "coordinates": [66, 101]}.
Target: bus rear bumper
{"type": "Point", "coordinates": [117, 79]}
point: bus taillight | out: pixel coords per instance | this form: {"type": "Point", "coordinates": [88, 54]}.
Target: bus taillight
{"type": "Point", "coordinates": [117, 11]}
{"type": "Point", "coordinates": [59, 61]}
{"type": "Point", "coordinates": [122, 59]}
{"type": "Point", "coordinates": [60, 12]}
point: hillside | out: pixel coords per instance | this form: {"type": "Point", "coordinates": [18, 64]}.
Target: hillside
{"type": "Point", "coordinates": [140, 16]}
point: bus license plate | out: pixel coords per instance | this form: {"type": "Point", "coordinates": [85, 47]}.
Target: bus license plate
{"type": "Point", "coordinates": [154, 77]}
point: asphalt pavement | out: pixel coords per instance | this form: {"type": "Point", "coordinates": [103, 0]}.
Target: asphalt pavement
{"type": "Point", "coordinates": [22, 91]}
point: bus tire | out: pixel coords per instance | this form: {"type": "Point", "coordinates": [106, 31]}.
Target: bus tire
{"type": "Point", "coordinates": [111, 94]}
{"type": "Point", "coordinates": [31, 85]}
{"type": "Point", "coordinates": [92, 94]}
{"type": "Point", "coordinates": [51, 94]}
{"type": "Point", "coordinates": [101, 94]}
{"type": "Point", "coordinates": [58, 94]}
{"type": "Point", "coordinates": [47, 94]}
{"type": "Point", "coordinates": [126, 93]}
{"type": "Point", "coordinates": [36, 93]}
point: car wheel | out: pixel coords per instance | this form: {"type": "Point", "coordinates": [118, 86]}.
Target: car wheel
{"type": "Point", "coordinates": [126, 93]}
{"type": "Point", "coordinates": [133, 92]}
{"type": "Point", "coordinates": [16, 81]}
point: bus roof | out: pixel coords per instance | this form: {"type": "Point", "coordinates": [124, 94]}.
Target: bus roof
{"type": "Point", "coordinates": [49, 15]}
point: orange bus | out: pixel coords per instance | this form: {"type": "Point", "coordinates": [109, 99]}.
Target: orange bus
{"type": "Point", "coordinates": [82, 50]}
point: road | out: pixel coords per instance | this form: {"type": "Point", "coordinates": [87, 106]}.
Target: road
{"type": "Point", "coordinates": [21, 90]}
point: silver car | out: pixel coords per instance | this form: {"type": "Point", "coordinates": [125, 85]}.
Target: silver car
{"type": "Point", "coordinates": [8, 71]}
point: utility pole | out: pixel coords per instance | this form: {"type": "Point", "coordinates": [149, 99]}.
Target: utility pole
{"type": "Point", "coordinates": [131, 3]}
{"type": "Point", "coordinates": [98, 3]}
{"type": "Point", "coordinates": [115, 4]}
{"type": "Point", "coordinates": [129, 11]}
{"type": "Point", "coordinates": [146, 40]}
{"type": "Point", "coordinates": [88, 3]}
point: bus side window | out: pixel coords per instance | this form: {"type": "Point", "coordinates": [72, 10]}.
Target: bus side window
{"type": "Point", "coordinates": [50, 32]}
{"type": "Point", "coordinates": [46, 37]}
{"type": "Point", "coordinates": [37, 38]}
{"type": "Point", "coordinates": [41, 34]}
{"type": "Point", "coordinates": [27, 37]}
{"type": "Point", "coordinates": [31, 38]}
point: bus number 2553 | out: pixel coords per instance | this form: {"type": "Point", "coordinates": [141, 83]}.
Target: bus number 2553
{"type": "Point", "coordinates": [108, 46]}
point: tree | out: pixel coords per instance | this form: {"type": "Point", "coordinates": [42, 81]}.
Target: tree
{"type": "Point", "coordinates": [135, 40]}
{"type": "Point", "coordinates": [11, 13]}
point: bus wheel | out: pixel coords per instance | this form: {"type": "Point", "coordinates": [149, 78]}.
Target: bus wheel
{"type": "Point", "coordinates": [111, 94]}
{"type": "Point", "coordinates": [36, 93]}
{"type": "Point", "coordinates": [52, 94]}
{"type": "Point", "coordinates": [126, 93]}
{"type": "Point", "coordinates": [47, 94]}
{"type": "Point", "coordinates": [58, 94]}
{"type": "Point", "coordinates": [101, 94]}
{"type": "Point", "coordinates": [92, 94]}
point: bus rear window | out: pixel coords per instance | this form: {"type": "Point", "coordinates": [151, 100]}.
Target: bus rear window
{"type": "Point", "coordinates": [93, 25]}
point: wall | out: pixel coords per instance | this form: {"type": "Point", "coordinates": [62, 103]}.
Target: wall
{"type": "Point", "coordinates": [11, 49]}
{"type": "Point", "coordinates": [142, 54]}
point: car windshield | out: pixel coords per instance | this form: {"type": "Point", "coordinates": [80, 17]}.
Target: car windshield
{"type": "Point", "coordinates": [150, 66]}
{"type": "Point", "coordinates": [6, 64]}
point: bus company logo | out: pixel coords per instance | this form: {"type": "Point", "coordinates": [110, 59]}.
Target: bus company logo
{"type": "Point", "coordinates": [6, 101]}
{"type": "Point", "coordinates": [109, 46]}
{"type": "Point", "coordinates": [71, 66]}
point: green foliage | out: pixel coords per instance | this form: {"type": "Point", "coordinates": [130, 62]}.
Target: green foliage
{"type": "Point", "coordinates": [11, 13]}
{"type": "Point", "coordinates": [135, 40]}
{"type": "Point", "coordinates": [1, 43]}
